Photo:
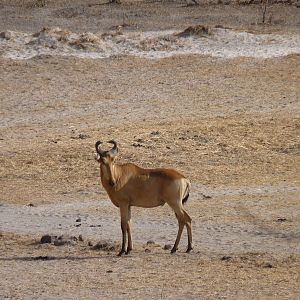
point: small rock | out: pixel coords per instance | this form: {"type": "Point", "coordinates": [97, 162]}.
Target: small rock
{"type": "Point", "coordinates": [147, 250]}
{"type": "Point", "coordinates": [267, 265]}
{"type": "Point", "coordinates": [206, 196]}
{"type": "Point", "coordinates": [80, 238]}
{"type": "Point", "coordinates": [83, 136]}
{"type": "Point", "coordinates": [5, 35]}
{"type": "Point", "coordinates": [105, 246]}
{"type": "Point", "coordinates": [78, 225]}
{"type": "Point", "coordinates": [90, 244]}
{"type": "Point", "coordinates": [137, 145]}
{"type": "Point", "coordinates": [109, 271]}
{"type": "Point", "coordinates": [280, 220]}
{"type": "Point", "coordinates": [155, 133]}
{"type": "Point", "coordinates": [150, 242]}
{"type": "Point", "coordinates": [30, 205]}
{"type": "Point", "coordinates": [60, 242]}
{"type": "Point", "coordinates": [78, 220]}
{"type": "Point", "coordinates": [46, 239]}
{"type": "Point", "coordinates": [167, 247]}
{"type": "Point", "coordinates": [226, 258]}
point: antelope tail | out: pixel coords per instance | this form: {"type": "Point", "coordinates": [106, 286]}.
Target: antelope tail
{"type": "Point", "coordinates": [186, 192]}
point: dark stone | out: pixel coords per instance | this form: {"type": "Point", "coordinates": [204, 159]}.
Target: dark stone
{"type": "Point", "coordinates": [267, 265]}
{"type": "Point", "coordinates": [60, 242]}
{"type": "Point", "coordinates": [167, 247]}
{"type": "Point", "coordinates": [80, 238]}
{"type": "Point", "coordinates": [226, 258]}
{"type": "Point", "coordinates": [105, 246]}
{"type": "Point", "coordinates": [150, 242]}
{"type": "Point", "coordinates": [155, 132]}
{"type": "Point", "coordinates": [46, 239]}
{"type": "Point", "coordinates": [5, 35]}
{"type": "Point", "coordinates": [280, 220]}
{"type": "Point", "coordinates": [78, 220]}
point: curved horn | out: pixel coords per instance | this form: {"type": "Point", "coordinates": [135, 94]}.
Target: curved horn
{"type": "Point", "coordinates": [98, 149]}
{"type": "Point", "coordinates": [115, 149]}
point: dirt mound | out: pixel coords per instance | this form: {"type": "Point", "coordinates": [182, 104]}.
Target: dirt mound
{"type": "Point", "coordinates": [106, 246]}
{"type": "Point", "coordinates": [86, 40]}
{"type": "Point", "coordinates": [56, 32]}
{"type": "Point", "coordinates": [162, 43]}
{"type": "Point", "coordinates": [197, 30]}
{"type": "Point", "coordinates": [50, 37]}
{"type": "Point", "coordinates": [199, 39]}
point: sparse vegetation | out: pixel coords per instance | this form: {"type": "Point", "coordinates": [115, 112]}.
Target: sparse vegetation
{"type": "Point", "coordinates": [39, 3]}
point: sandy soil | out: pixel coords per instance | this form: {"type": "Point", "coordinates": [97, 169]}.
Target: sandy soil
{"type": "Point", "coordinates": [230, 124]}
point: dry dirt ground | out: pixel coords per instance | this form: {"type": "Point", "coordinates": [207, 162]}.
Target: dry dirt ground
{"type": "Point", "coordinates": [230, 125]}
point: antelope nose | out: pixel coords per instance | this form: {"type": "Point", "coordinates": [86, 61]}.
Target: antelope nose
{"type": "Point", "coordinates": [112, 183]}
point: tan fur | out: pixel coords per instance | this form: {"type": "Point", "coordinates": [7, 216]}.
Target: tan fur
{"type": "Point", "coordinates": [129, 185]}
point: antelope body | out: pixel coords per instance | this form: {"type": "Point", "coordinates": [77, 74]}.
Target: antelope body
{"type": "Point", "coordinates": [129, 185]}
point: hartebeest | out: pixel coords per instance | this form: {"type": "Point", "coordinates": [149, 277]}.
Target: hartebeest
{"type": "Point", "coordinates": [129, 185]}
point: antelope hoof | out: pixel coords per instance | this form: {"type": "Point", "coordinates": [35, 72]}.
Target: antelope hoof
{"type": "Point", "coordinates": [128, 251]}
{"type": "Point", "coordinates": [189, 249]}
{"type": "Point", "coordinates": [122, 253]}
{"type": "Point", "coordinates": [173, 250]}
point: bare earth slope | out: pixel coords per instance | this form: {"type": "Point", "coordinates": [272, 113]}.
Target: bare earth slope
{"type": "Point", "coordinates": [222, 108]}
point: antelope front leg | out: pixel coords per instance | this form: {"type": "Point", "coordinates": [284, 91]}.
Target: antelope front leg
{"type": "Point", "coordinates": [124, 227]}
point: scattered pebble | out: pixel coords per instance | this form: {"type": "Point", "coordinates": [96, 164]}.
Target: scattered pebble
{"type": "Point", "coordinates": [167, 247]}
{"type": "Point", "coordinates": [105, 246]}
{"type": "Point", "coordinates": [226, 258]}
{"type": "Point", "coordinates": [150, 242]}
{"type": "Point", "coordinates": [60, 242]}
{"type": "Point", "coordinates": [280, 220]}
{"type": "Point", "coordinates": [46, 239]}
{"type": "Point", "coordinates": [155, 133]}
{"type": "Point", "coordinates": [267, 265]}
